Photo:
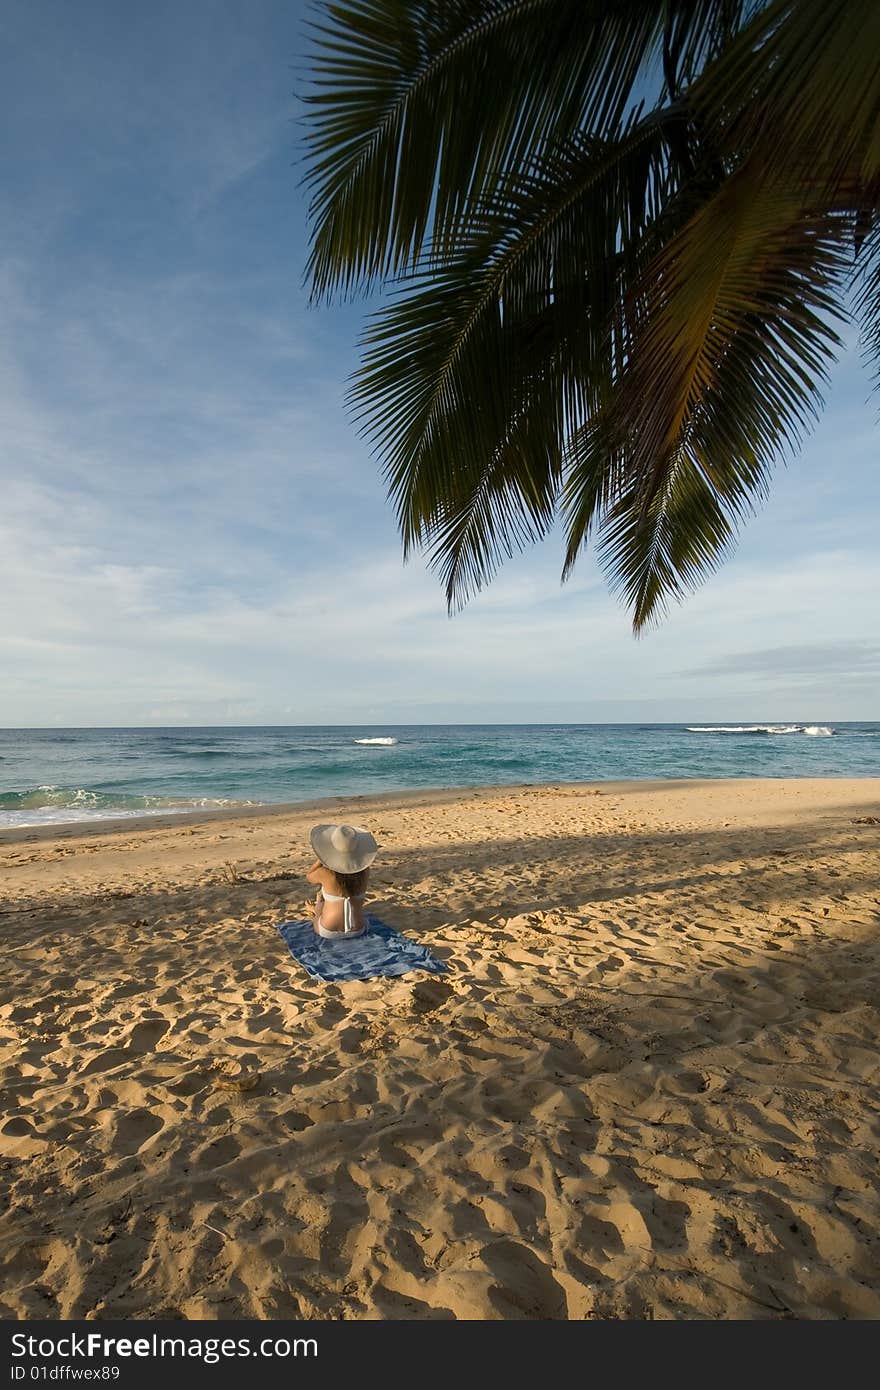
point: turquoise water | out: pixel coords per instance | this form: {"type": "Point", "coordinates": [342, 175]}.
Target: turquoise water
{"type": "Point", "coordinates": [61, 775]}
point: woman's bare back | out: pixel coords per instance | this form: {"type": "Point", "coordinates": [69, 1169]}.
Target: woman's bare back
{"type": "Point", "coordinates": [329, 910]}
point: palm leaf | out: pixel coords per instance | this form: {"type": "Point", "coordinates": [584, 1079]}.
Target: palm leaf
{"type": "Point", "coordinates": [730, 338]}
{"type": "Point", "coordinates": [418, 108]}
{"type": "Point", "coordinates": [866, 279]}
{"type": "Point", "coordinates": [801, 85]}
{"type": "Point", "coordinates": [627, 316]}
{"type": "Point", "coordinates": [666, 548]}
{"type": "Point", "coordinates": [472, 377]}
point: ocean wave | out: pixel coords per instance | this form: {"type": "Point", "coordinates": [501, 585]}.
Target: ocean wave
{"type": "Point", "coordinates": [815, 730]}
{"type": "Point", "coordinates": [48, 805]}
{"type": "Point", "coordinates": [385, 742]}
{"type": "Point", "coordinates": [71, 798]}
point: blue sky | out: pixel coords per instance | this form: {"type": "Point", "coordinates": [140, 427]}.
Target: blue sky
{"type": "Point", "coordinates": [190, 529]}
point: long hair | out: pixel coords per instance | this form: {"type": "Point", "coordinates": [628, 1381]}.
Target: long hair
{"type": "Point", "coordinates": [352, 884]}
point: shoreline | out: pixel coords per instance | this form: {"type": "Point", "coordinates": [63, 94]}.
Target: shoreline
{"type": "Point", "coordinates": [646, 1085]}
{"type": "Point", "coordinates": [114, 825]}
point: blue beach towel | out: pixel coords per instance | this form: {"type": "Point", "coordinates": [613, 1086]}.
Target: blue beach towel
{"type": "Point", "coordinates": [380, 951]}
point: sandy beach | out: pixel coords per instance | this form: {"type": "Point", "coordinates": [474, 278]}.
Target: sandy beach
{"type": "Point", "coordinates": [647, 1087]}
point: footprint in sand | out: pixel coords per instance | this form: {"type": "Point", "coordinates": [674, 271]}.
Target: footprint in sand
{"type": "Point", "coordinates": [105, 1061]}
{"type": "Point", "coordinates": [145, 1035]}
{"type": "Point", "coordinates": [430, 995]}
{"type": "Point", "coordinates": [610, 963]}
{"type": "Point", "coordinates": [526, 1286]}
{"type": "Point", "coordinates": [135, 1129]}
{"type": "Point", "coordinates": [232, 1074]}
{"type": "Point", "coordinates": [217, 1153]}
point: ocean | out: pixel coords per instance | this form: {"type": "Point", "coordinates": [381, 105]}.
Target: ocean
{"type": "Point", "coordinates": [52, 776]}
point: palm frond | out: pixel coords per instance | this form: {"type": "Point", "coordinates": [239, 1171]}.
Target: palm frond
{"type": "Point", "coordinates": [666, 549]}
{"type": "Point", "coordinates": [417, 108]}
{"type": "Point", "coordinates": [593, 478]}
{"type": "Point", "coordinates": [625, 316]}
{"type": "Point", "coordinates": [867, 299]}
{"type": "Point", "coordinates": [800, 84]}
{"type": "Point", "coordinates": [481, 367]}
{"type": "Point", "coordinates": [729, 339]}
{"type": "Point", "coordinates": [510, 503]}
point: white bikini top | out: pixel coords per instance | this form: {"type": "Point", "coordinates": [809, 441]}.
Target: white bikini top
{"type": "Point", "coordinates": [347, 928]}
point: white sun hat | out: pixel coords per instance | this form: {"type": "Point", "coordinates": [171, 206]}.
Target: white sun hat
{"type": "Point", "coordinates": [346, 849]}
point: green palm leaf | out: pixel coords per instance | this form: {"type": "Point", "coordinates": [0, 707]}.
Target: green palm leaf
{"type": "Point", "coordinates": [620, 315]}
{"type": "Point", "coordinates": [731, 340]}
{"type": "Point", "coordinates": [866, 279]}
{"type": "Point", "coordinates": [800, 85]}
{"type": "Point", "coordinates": [471, 375]}
{"type": "Point", "coordinates": [416, 107]}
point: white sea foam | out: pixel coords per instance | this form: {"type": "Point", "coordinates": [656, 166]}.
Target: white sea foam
{"type": "Point", "coordinates": [69, 815]}
{"type": "Point", "coordinates": [52, 805]}
{"type": "Point", "coordinates": [814, 729]}
{"type": "Point", "coordinates": [385, 742]}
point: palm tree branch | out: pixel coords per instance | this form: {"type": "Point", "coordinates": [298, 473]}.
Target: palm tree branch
{"type": "Point", "coordinates": [749, 256]}
{"type": "Point", "coordinates": [799, 86]}
{"type": "Point", "coordinates": [414, 109]}
{"type": "Point", "coordinates": [509, 505]}
{"type": "Point", "coordinates": [683, 536]}
{"type": "Point", "coordinates": [722, 375]}
{"type": "Point", "coordinates": [439, 319]}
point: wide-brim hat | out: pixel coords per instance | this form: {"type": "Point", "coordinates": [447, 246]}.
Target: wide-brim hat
{"type": "Point", "coordinates": [346, 849]}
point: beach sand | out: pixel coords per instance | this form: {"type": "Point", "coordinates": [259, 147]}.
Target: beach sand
{"type": "Point", "coordinates": [646, 1089]}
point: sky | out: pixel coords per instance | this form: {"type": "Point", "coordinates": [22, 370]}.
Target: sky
{"type": "Point", "coordinates": [191, 531]}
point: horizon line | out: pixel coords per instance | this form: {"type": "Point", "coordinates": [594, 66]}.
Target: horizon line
{"type": "Point", "coordinates": [432, 724]}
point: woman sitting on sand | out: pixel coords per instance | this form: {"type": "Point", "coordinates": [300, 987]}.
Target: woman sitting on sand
{"type": "Point", "coordinates": [341, 870]}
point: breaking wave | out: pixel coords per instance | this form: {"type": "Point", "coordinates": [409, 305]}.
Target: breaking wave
{"type": "Point", "coordinates": [815, 730]}
{"type": "Point", "coordinates": [385, 742]}
{"type": "Point", "coordinates": [50, 805]}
